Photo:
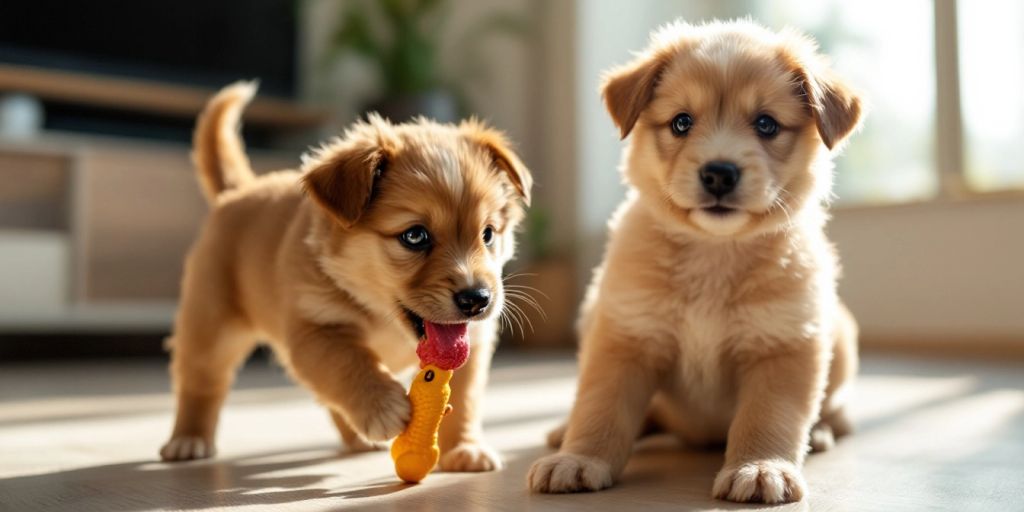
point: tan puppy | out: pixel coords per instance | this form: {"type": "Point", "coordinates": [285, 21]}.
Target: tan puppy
{"type": "Point", "coordinates": [715, 312]}
{"type": "Point", "coordinates": [386, 232]}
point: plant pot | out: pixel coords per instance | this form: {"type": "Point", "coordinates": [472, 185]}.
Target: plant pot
{"type": "Point", "coordinates": [439, 105]}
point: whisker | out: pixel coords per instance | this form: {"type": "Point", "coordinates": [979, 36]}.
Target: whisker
{"type": "Point", "coordinates": [514, 316]}
{"type": "Point", "coordinates": [522, 316]}
{"type": "Point", "coordinates": [518, 274]}
{"type": "Point", "coordinates": [524, 288]}
{"type": "Point", "coordinates": [527, 300]}
{"type": "Point", "coordinates": [503, 318]}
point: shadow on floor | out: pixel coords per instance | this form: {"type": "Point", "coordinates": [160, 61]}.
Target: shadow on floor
{"type": "Point", "coordinates": [146, 485]}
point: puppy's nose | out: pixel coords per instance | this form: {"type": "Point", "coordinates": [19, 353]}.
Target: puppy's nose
{"type": "Point", "coordinates": [719, 178]}
{"type": "Point", "coordinates": [472, 301]}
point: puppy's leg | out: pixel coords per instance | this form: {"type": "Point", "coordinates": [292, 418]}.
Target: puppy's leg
{"type": "Point", "coordinates": [650, 427]}
{"type": "Point", "coordinates": [613, 395]}
{"type": "Point", "coordinates": [461, 435]}
{"type": "Point", "coordinates": [777, 401]}
{"type": "Point", "coordinates": [347, 376]}
{"type": "Point", "coordinates": [556, 436]}
{"type": "Point", "coordinates": [207, 348]}
{"type": "Point", "coordinates": [353, 442]}
{"type": "Point", "coordinates": [834, 422]}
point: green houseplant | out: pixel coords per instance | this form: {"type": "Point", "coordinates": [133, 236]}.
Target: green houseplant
{"type": "Point", "coordinates": [403, 39]}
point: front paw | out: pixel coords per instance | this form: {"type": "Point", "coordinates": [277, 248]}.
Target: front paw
{"type": "Point", "coordinates": [567, 472]}
{"type": "Point", "coordinates": [382, 413]}
{"type": "Point", "coordinates": [181, 448]}
{"type": "Point", "coordinates": [471, 457]}
{"type": "Point", "coordinates": [765, 481]}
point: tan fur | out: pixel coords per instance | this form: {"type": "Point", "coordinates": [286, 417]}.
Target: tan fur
{"type": "Point", "coordinates": [310, 260]}
{"type": "Point", "coordinates": [719, 329]}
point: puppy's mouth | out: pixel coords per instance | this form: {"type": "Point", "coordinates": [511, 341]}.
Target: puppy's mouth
{"type": "Point", "coordinates": [445, 345]}
{"type": "Point", "coordinates": [419, 325]}
{"type": "Point", "coordinates": [416, 322]}
{"type": "Point", "coordinates": [719, 210]}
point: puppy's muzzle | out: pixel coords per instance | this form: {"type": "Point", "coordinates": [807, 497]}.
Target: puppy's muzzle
{"type": "Point", "coordinates": [719, 178]}
{"type": "Point", "coordinates": [472, 301]}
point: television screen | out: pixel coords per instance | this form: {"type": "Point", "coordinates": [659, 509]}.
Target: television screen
{"type": "Point", "coordinates": [198, 42]}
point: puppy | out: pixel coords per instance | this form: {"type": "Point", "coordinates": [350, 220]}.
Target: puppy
{"type": "Point", "coordinates": [714, 314]}
{"type": "Point", "coordinates": [342, 266]}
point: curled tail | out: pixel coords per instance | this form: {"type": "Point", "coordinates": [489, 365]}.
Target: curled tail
{"type": "Point", "coordinates": [218, 151]}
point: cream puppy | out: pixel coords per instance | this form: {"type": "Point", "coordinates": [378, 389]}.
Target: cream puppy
{"type": "Point", "coordinates": [714, 314]}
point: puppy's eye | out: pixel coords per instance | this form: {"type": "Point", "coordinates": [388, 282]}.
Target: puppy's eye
{"type": "Point", "coordinates": [488, 236]}
{"type": "Point", "coordinates": [415, 238]}
{"type": "Point", "coordinates": [681, 124]}
{"type": "Point", "coordinates": [766, 126]}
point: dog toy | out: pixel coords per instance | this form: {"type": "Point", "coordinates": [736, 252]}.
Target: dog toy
{"type": "Point", "coordinates": [444, 350]}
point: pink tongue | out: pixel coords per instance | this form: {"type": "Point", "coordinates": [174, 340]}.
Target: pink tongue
{"type": "Point", "coordinates": [446, 346]}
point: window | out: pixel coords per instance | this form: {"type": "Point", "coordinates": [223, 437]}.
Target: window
{"type": "Point", "coordinates": [992, 92]}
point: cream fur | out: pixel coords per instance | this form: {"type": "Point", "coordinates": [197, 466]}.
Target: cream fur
{"type": "Point", "coordinates": [717, 328]}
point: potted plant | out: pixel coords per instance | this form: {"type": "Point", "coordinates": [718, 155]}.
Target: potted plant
{"type": "Point", "coordinates": [402, 39]}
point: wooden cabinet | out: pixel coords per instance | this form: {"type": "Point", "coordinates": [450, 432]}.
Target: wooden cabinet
{"type": "Point", "coordinates": [94, 230]}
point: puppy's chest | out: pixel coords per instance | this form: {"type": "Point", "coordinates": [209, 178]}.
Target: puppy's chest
{"type": "Point", "coordinates": [702, 321]}
{"type": "Point", "coordinates": [700, 305]}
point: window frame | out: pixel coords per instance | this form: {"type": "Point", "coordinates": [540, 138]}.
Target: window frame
{"type": "Point", "coordinates": [950, 161]}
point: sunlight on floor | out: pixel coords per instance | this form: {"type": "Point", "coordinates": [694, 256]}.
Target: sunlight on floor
{"type": "Point", "coordinates": [938, 434]}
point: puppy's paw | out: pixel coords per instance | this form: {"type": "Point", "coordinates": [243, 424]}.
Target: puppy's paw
{"type": "Point", "coordinates": [384, 414]}
{"type": "Point", "coordinates": [471, 457]}
{"type": "Point", "coordinates": [556, 435]}
{"type": "Point", "coordinates": [567, 472]}
{"type": "Point", "coordinates": [766, 481]}
{"type": "Point", "coordinates": [822, 438]}
{"type": "Point", "coordinates": [187, 448]}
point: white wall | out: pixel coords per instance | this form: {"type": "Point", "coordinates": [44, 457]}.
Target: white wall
{"type": "Point", "coordinates": [935, 272]}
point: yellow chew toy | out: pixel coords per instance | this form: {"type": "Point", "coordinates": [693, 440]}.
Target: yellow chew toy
{"type": "Point", "coordinates": [415, 450]}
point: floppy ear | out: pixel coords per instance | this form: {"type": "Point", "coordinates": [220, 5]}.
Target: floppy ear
{"type": "Point", "coordinates": [836, 108]}
{"type": "Point", "coordinates": [628, 89]}
{"type": "Point", "coordinates": [341, 180]}
{"type": "Point", "coordinates": [498, 146]}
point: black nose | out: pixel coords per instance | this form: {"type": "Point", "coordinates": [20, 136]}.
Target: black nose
{"type": "Point", "coordinates": [472, 301]}
{"type": "Point", "coordinates": [719, 178]}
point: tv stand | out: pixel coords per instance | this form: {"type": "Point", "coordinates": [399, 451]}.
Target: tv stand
{"type": "Point", "coordinates": [149, 97]}
{"type": "Point", "coordinates": [94, 231]}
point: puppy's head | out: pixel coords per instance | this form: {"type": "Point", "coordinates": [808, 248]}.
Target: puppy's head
{"type": "Point", "coordinates": [418, 219]}
{"type": "Point", "coordinates": [732, 125]}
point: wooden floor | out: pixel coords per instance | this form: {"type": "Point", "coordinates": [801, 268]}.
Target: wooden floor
{"type": "Point", "coordinates": [940, 435]}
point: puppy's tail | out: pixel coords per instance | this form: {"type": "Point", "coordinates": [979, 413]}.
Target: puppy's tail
{"type": "Point", "coordinates": [217, 148]}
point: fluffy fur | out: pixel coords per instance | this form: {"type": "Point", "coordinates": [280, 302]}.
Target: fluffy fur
{"type": "Point", "coordinates": [311, 261]}
{"type": "Point", "coordinates": [718, 327]}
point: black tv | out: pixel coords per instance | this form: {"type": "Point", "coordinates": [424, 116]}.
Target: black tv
{"type": "Point", "coordinates": [206, 43]}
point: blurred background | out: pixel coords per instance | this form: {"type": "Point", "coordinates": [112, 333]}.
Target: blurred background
{"type": "Point", "coordinates": [98, 203]}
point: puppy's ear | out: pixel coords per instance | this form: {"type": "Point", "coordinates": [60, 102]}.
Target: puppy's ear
{"type": "Point", "coordinates": [836, 108]}
{"type": "Point", "coordinates": [340, 177]}
{"type": "Point", "coordinates": [500, 150]}
{"type": "Point", "coordinates": [628, 89]}
{"type": "Point", "coordinates": [343, 183]}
